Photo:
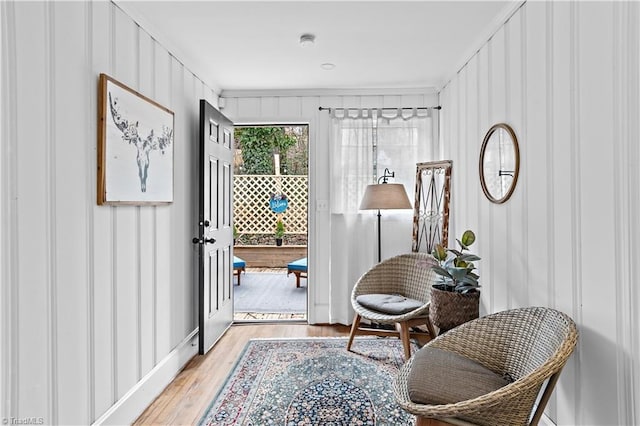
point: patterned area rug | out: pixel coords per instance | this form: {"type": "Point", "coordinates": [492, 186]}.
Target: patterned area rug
{"type": "Point", "coordinates": [313, 381]}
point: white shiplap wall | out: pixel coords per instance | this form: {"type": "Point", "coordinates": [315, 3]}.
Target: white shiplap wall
{"type": "Point", "coordinates": [565, 76]}
{"type": "Point", "coordinates": [99, 302]}
{"type": "Point", "coordinates": [301, 107]}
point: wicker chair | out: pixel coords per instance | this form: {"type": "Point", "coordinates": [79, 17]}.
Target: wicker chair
{"type": "Point", "coordinates": [405, 274]}
{"type": "Point", "coordinates": [531, 345]}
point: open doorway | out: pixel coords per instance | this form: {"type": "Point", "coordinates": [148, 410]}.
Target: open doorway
{"type": "Point", "coordinates": [270, 210]}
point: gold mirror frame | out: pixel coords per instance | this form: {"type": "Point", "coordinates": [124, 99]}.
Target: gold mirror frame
{"type": "Point", "coordinates": [513, 173]}
{"type": "Point", "coordinates": [431, 205]}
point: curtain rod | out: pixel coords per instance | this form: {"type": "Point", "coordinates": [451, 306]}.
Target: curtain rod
{"type": "Point", "coordinates": [421, 108]}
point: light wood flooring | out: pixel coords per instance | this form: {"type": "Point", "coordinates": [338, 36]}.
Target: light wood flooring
{"type": "Point", "coordinates": [185, 400]}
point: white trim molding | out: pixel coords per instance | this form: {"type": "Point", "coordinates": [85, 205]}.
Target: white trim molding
{"type": "Point", "coordinates": [496, 24]}
{"type": "Point", "coordinates": [275, 93]}
{"type": "Point", "coordinates": [139, 397]}
{"type": "Point", "coordinates": [179, 54]}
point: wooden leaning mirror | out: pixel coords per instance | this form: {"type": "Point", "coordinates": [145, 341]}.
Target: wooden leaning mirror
{"type": "Point", "coordinates": [431, 207]}
{"type": "Point", "coordinates": [499, 163]}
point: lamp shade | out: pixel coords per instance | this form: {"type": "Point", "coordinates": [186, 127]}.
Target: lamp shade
{"type": "Point", "coordinates": [385, 196]}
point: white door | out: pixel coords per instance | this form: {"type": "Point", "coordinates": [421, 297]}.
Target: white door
{"type": "Point", "coordinates": [216, 234]}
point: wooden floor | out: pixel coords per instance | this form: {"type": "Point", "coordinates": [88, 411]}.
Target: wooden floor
{"type": "Point", "coordinates": [185, 400]}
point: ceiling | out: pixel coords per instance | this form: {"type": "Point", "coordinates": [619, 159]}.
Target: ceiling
{"type": "Point", "coordinates": [254, 45]}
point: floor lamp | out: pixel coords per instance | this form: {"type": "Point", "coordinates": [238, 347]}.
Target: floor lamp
{"type": "Point", "coordinates": [384, 196]}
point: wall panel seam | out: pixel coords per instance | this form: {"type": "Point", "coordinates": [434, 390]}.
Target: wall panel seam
{"type": "Point", "coordinates": [633, 134]}
{"type": "Point", "coordinates": [480, 199]}
{"type": "Point", "coordinates": [154, 284]}
{"type": "Point", "coordinates": [11, 364]}
{"type": "Point", "coordinates": [5, 318]}
{"type": "Point", "coordinates": [154, 237]}
{"type": "Point", "coordinates": [114, 237]}
{"type": "Point", "coordinates": [138, 235]}
{"type": "Point", "coordinates": [91, 126]}
{"type": "Point", "coordinates": [52, 270]}
{"type": "Point", "coordinates": [155, 311]}
{"type": "Point", "coordinates": [621, 240]}
{"type": "Point", "coordinates": [525, 199]}
{"type": "Point", "coordinates": [551, 256]}
{"type": "Point", "coordinates": [469, 183]}
{"type": "Point", "coordinates": [508, 118]}
{"type": "Point", "coordinates": [575, 197]}
{"type": "Point", "coordinates": [138, 293]}
{"type": "Point", "coordinates": [114, 303]}
{"type": "Point", "coordinates": [492, 242]}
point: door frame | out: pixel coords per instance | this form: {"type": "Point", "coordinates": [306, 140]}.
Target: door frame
{"type": "Point", "coordinates": [311, 213]}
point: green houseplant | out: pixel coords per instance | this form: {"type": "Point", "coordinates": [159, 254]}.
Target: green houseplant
{"type": "Point", "coordinates": [457, 271]}
{"type": "Point", "coordinates": [455, 299]}
{"type": "Point", "coordinates": [279, 232]}
{"type": "Point", "coordinates": [236, 234]}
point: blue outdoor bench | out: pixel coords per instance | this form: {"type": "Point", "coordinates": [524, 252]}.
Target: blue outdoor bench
{"type": "Point", "coordinates": [299, 268]}
{"type": "Point", "coordinates": [238, 267]}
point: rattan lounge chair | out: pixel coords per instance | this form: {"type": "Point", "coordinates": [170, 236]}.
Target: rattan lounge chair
{"type": "Point", "coordinates": [530, 345]}
{"type": "Point", "coordinates": [407, 275]}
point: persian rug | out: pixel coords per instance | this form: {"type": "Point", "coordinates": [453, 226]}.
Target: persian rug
{"type": "Point", "coordinates": [312, 381]}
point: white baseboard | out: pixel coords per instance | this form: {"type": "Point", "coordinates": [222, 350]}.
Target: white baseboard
{"type": "Point", "coordinates": [128, 408]}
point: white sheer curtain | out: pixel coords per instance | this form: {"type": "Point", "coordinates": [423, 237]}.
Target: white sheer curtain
{"type": "Point", "coordinates": [352, 242]}
{"type": "Point", "coordinates": [404, 139]}
{"type": "Point", "coordinates": [363, 141]}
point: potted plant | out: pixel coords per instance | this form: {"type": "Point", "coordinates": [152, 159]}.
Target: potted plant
{"type": "Point", "coordinates": [455, 299]}
{"type": "Point", "coordinates": [235, 234]}
{"type": "Point", "coordinates": [279, 232]}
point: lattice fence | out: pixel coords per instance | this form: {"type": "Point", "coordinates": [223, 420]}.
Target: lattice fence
{"type": "Point", "coordinates": [252, 214]}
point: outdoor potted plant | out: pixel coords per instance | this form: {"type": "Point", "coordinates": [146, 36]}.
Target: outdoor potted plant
{"type": "Point", "coordinates": [455, 299]}
{"type": "Point", "coordinates": [235, 234]}
{"type": "Point", "coordinates": [279, 232]}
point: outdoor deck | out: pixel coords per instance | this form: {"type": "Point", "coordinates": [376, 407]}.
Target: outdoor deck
{"type": "Point", "coordinates": [269, 294]}
{"type": "Point", "coordinates": [261, 316]}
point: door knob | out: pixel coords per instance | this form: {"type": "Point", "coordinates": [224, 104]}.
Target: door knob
{"type": "Point", "coordinates": [197, 240]}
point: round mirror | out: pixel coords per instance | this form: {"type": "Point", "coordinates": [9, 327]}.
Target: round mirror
{"type": "Point", "coordinates": [499, 163]}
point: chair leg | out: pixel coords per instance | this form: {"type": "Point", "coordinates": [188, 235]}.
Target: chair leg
{"type": "Point", "coordinates": [545, 397]}
{"type": "Point", "coordinates": [354, 330]}
{"type": "Point", "coordinates": [431, 328]}
{"type": "Point", "coordinates": [404, 336]}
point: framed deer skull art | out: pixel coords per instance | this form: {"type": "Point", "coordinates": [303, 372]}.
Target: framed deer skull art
{"type": "Point", "coordinates": [135, 147]}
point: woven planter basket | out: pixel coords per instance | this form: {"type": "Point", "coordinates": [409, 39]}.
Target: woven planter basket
{"type": "Point", "coordinates": [450, 309]}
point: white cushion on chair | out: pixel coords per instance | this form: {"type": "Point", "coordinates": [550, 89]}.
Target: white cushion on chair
{"type": "Point", "coordinates": [393, 304]}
